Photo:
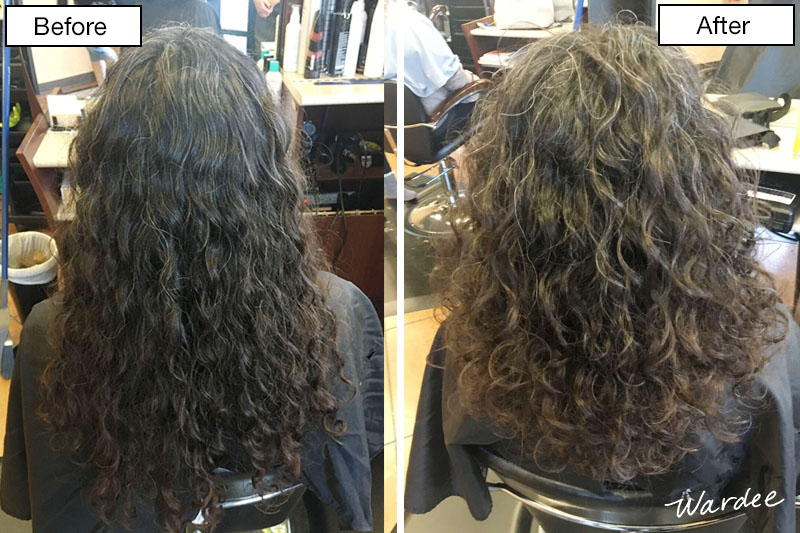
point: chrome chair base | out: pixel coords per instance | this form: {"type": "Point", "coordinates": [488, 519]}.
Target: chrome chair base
{"type": "Point", "coordinates": [433, 216]}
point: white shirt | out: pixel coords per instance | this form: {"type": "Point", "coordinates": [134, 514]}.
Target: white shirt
{"type": "Point", "coordinates": [432, 70]}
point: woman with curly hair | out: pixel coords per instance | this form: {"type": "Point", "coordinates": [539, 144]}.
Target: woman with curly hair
{"type": "Point", "coordinates": [608, 324]}
{"type": "Point", "coordinates": [195, 327]}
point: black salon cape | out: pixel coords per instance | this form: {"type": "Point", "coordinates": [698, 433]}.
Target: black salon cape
{"type": "Point", "coordinates": [441, 466]}
{"type": "Point", "coordinates": [40, 484]}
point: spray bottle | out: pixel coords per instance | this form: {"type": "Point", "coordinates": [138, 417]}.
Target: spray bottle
{"type": "Point", "coordinates": [354, 38]}
{"type": "Point", "coordinates": [291, 43]}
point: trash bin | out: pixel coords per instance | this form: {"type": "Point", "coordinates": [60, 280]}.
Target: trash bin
{"type": "Point", "coordinates": [32, 266]}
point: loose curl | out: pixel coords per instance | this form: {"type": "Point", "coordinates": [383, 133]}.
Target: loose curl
{"type": "Point", "coordinates": [192, 326]}
{"type": "Point", "coordinates": [605, 302]}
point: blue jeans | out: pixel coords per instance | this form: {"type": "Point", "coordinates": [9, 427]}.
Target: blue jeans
{"type": "Point", "coordinates": [100, 53]}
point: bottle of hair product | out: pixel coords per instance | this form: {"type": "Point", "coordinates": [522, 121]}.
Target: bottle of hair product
{"type": "Point", "coordinates": [368, 16]}
{"type": "Point", "coordinates": [340, 28]}
{"type": "Point", "coordinates": [274, 79]}
{"type": "Point", "coordinates": [291, 43]}
{"type": "Point", "coordinates": [326, 11]}
{"type": "Point", "coordinates": [314, 55]}
{"type": "Point", "coordinates": [354, 38]}
{"type": "Point", "coordinates": [266, 57]}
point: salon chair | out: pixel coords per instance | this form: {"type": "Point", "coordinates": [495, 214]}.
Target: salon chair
{"type": "Point", "coordinates": [431, 140]}
{"type": "Point", "coordinates": [440, 16]}
{"type": "Point", "coordinates": [559, 508]}
{"type": "Point", "coordinates": [246, 510]}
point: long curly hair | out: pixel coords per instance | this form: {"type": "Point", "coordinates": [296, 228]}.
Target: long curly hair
{"type": "Point", "coordinates": [192, 327]}
{"type": "Point", "coordinates": [605, 302]}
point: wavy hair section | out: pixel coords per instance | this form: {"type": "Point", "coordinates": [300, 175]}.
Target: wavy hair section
{"type": "Point", "coordinates": [605, 302]}
{"type": "Point", "coordinates": [193, 330]}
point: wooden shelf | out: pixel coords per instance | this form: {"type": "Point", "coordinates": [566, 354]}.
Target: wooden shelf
{"type": "Point", "coordinates": [44, 180]}
{"type": "Point", "coordinates": [483, 37]}
{"type": "Point", "coordinates": [306, 92]}
{"type": "Point", "coordinates": [497, 33]}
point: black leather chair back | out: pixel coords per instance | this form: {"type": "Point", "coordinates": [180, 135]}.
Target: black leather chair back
{"type": "Point", "coordinates": [421, 146]}
{"type": "Point", "coordinates": [624, 509]}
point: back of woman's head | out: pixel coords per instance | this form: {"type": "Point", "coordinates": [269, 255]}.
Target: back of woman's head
{"type": "Point", "coordinates": [605, 302]}
{"type": "Point", "coordinates": [192, 323]}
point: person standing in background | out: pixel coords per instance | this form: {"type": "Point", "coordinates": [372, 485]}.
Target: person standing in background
{"type": "Point", "coordinates": [264, 7]}
{"type": "Point", "coordinates": [102, 57]}
{"type": "Point", "coordinates": [265, 25]}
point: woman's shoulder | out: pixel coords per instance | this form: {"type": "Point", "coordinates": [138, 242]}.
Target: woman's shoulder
{"type": "Point", "coordinates": [359, 328]}
{"type": "Point", "coordinates": [42, 313]}
{"type": "Point", "coordinates": [35, 336]}
{"type": "Point", "coordinates": [344, 298]}
{"type": "Point", "coordinates": [784, 357]}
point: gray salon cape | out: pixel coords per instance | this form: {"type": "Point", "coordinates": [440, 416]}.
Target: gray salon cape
{"type": "Point", "coordinates": [441, 466]}
{"type": "Point", "coordinates": [43, 485]}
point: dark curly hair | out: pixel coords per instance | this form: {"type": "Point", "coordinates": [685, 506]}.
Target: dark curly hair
{"type": "Point", "coordinates": [192, 323]}
{"type": "Point", "coordinates": [605, 302]}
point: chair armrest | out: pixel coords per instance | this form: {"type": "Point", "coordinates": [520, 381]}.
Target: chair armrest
{"type": "Point", "coordinates": [459, 96]}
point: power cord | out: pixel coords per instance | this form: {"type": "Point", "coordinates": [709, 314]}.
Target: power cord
{"type": "Point", "coordinates": [338, 165]}
{"type": "Point", "coordinates": [342, 151]}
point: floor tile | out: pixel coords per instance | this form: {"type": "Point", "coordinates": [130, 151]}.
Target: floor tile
{"type": "Point", "coordinates": [406, 451]}
{"type": "Point", "coordinates": [420, 329]}
{"type": "Point", "coordinates": [389, 487]}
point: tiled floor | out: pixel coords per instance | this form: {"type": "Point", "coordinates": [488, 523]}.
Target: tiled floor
{"type": "Point", "coordinates": [390, 442]}
{"type": "Point", "coordinates": [420, 328]}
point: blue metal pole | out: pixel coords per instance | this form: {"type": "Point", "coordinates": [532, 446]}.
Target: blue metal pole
{"type": "Point", "coordinates": [5, 154]}
{"type": "Point", "coordinates": [578, 15]}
